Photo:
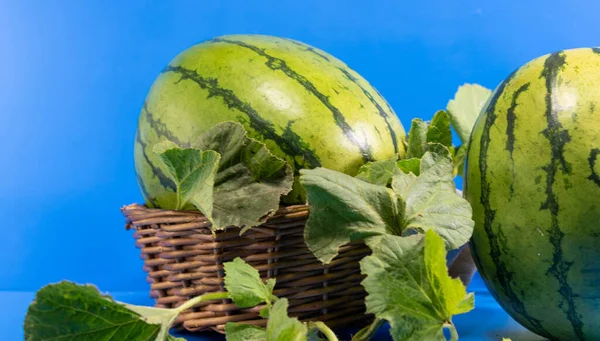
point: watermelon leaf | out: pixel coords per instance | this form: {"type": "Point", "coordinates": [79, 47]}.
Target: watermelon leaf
{"type": "Point", "coordinates": [193, 171]}
{"type": "Point", "coordinates": [250, 180]}
{"type": "Point", "coordinates": [281, 327]}
{"type": "Point", "coordinates": [244, 332]}
{"type": "Point", "coordinates": [432, 202]}
{"type": "Point", "coordinates": [438, 148]}
{"type": "Point", "coordinates": [401, 184]}
{"type": "Point", "coordinates": [439, 130]}
{"type": "Point", "coordinates": [70, 311]}
{"type": "Point", "coordinates": [429, 136]}
{"type": "Point", "coordinates": [246, 288]}
{"type": "Point", "coordinates": [408, 285]}
{"type": "Point", "coordinates": [411, 165]}
{"type": "Point", "coordinates": [459, 160]}
{"type": "Point", "coordinates": [417, 137]}
{"type": "Point", "coordinates": [379, 172]}
{"type": "Point", "coordinates": [243, 283]}
{"type": "Point", "coordinates": [344, 209]}
{"type": "Point", "coordinates": [465, 108]}
{"type": "Point", "coordinates": [232, 179]}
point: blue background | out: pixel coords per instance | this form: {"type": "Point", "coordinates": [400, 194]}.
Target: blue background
{"type": "Point", "coordinates": [74, 74]}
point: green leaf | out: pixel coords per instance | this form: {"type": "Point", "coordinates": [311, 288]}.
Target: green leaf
{"type": "Point", "coordinates": [193, 171]}
{"type": "Point", "coordinates": [459, 160]}
{"type": "Point", "coordinates": [401, 184]}
{"type": "Point", "coordinates": [281, 327]}
{"type": "Point", "coordinates": [439, 130]}
{"type": "Point", "coordinates": [345, 209]}
{"type": "Point", "coordinates": [244, 332]}
{"type": "Point", "coordinates": [438, 148]}
{"type": "Point", "coordinates": [379, 172]}
{"type": "Point", "coordinates": [264, 312]}
{"type": "Point", "coordinates": [249, 181]}
{"type": "Point", "coordinates": [408, 285]}
{"type": "Point", "coordinates": [411, 165]}
{"type": "Point", "coordinates": [437, 170]}
{"type": "Point", "coordinates": [244, 285]}
{"type": "Point", "coordinates": [465, 108]}
{"type": "Point", "coordinates": [68, 311]}
{"type": "Point", "coordinates": [432, 202]}
{"type": "Point", "coordinates": [434, 136]}
{"type": "Point", "coordinates": [417, 137]}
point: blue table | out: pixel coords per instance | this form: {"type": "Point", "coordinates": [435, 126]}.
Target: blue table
{"type": "Point", "coordinates": [487, 322]}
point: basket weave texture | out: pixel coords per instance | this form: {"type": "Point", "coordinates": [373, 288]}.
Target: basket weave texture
{"type": "Point", "coordinates": [183, 259]}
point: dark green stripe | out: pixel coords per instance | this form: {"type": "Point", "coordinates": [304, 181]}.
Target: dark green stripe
{"type": "Point", "coordinates": [307, 48]}
{"type": "Point", "coordinates": [497, 241]}
{"type": "Point", "coordinates": [378, 132]}
{"type": "Point", "coordinates": [511, 117]}
{"type": "Point", "coordinates": [161, 128]}
{"type": "Point", "coordinates": [274, 63]}
{"type": "Point", "coordinates": [290, 143]}
{"type": "Point", "coordinates": [380, 110]}
{"type": "Point", "coordinates": [558, 137]}
{"type": "Point", "coordinates": [165, 181]}
{"type": "Point", "coordinates": [592, 161]}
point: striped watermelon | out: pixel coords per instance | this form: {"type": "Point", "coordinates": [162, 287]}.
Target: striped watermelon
{"type": "Point", "coordinates": [307, 106]}
{"type": "Point", "coordinates": [533, 179]}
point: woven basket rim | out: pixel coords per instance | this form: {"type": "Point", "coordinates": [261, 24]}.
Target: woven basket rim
{"type": "Point", "coordinates": [135, 205]}
{"type": "Point", "coordinates": [129, 210]}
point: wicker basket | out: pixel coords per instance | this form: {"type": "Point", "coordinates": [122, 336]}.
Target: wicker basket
{"type": "Point", "coordinates": [183, 259]}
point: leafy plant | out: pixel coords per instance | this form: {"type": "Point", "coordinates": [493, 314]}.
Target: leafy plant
{"type": "Point", "coordinates": [463, 111]}
{"type": "Point", "coordinates": [409, 213]}
{"type": "Point", "coordinates": [80, 312]}
{"type": "Point", "coordinates": [408, 221]}
{"type": "Point", "coordinates": [232, 179]}
{"type": "Point", "coordinates": [247, 290]}
{"type": "Point", "coordinates": [465, 108]}
{"type": "Point", "coordinates": [345, 209]}
{"type": "Point", "coordinates": [409, 286]}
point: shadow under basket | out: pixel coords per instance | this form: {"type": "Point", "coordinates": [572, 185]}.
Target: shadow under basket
{"type": "Point", "coordinates": [184, 259]}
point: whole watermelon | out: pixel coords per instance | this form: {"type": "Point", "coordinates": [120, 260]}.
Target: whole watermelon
{"type": "Point", "coordinates": [533, 180]}
{"type": "Point", "coordinates": [306, 105]}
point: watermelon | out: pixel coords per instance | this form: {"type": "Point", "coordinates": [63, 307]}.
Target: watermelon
{"type": "Point", "coordinates": [532, 176]}
{"type": "Point", "coordinates": [307, 106]}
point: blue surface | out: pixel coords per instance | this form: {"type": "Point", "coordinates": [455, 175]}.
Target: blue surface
{"type": "Point", "coordinates": [74, 74]}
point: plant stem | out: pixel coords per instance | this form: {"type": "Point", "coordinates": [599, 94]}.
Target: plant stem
{"type": "Point", "coordinates": [164, 330]}
{"type": "Point", "coordinates": [206, 297]}
{"type": "Point", "coordinates": [322, 327]}
{"type": "Point", "coordinates": [367, 333]}
{"type": "Point", "coordinates": [453, 332]}
{"type": "Point", "coordinates": [178, 200]}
